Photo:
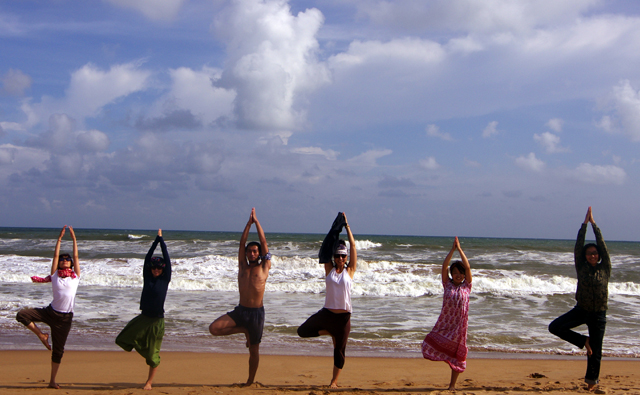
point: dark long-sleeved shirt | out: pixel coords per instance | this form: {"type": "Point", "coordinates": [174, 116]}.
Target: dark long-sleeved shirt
{"type": "Point", "coordinates": [326, 250]}
{"type": "Point", "coordinates": [593, 281]}
{"type": "Point", "coordinates": [155, 289]}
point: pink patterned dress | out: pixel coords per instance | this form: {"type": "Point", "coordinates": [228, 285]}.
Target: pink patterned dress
{"type": "Point", "coordinates": [447, 341]}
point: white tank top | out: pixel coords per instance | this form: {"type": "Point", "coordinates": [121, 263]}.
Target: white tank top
{"type": "Point", "coordinates": [64, 292]}
{"type": "Point", "coordinates": [338, 293]}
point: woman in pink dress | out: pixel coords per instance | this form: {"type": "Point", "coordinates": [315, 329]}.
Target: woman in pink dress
{"type": "Point", "coordinates": [447, 341]}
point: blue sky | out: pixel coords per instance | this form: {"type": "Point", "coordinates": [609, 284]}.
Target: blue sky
{"type": "Point", "coordinates": [473, 118]}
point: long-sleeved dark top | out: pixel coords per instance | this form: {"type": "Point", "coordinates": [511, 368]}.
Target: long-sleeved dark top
{"type": "Point", "coordinates": [326, 250]}
{"type": "Point", "coordinates": [155, 289]}
{"type": "Point", "coordinates": [593, 281]}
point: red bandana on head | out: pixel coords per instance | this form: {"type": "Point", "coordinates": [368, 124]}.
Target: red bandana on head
{"type": "Point", "coordinates": [62, 273]}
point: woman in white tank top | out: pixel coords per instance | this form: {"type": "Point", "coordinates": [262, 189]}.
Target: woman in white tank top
{"type": "Point", "coordinates": [335, 317]}
{"type": "Point", "coordinates": [64, 278]}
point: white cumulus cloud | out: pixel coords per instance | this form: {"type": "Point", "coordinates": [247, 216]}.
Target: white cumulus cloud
{"type": "Point", "coordinates": [530, 162]}
{"type": "Point", "coordinates": [555, 124]}
{"type": "Point", "coordinates": [434, 131]}
{"type": "Point", "coordinates": [490, 130]}
{"type": "Point", "coordinates": [194, 90]}
{"type": "Point", "coordinates": [625, 111]}
{"type": "Point", "coordinates": [406, 50]}
{"type": "Point", "coordinates": [429, 163]}
{"type": "Point", "coordinates": [370, 157]}
{"type": "Point", "coordinates": [272, 61]}
{"type": "Point", "coordinates": [550, 142]}
{"type": "Point", "coordinates": [90, 89]}
{"type": "Point", "coordinates": [596, 174]}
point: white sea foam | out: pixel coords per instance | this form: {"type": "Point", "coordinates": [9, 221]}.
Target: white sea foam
{"type": "Point", "coordinates": [366, 244]}
{"type": "Point", "coordinates": [304, 275]}
{"type": "Point", "coordinates": [135, 237]}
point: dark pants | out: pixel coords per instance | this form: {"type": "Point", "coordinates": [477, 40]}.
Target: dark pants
{"type": "Point", "coordinates": [596, 322]}
{"type": "Point", "coordinates": [337, 324]}
{"type": "Point", "coordinates": [60, 324]}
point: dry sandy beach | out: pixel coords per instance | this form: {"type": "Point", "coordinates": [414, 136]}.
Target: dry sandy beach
{"type": "Point", "coordinates": [84, 372]}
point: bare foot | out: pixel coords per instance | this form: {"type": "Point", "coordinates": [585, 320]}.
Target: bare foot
{"type": "Point", "coordinates": [44, 338]}
{"type": "Point", "coordinates": [333, 385]}
{"type": "Point", "coordinates": [591, 387]}
{"type": "Point", "coordinates": [588, 347]}
{"type": "Point", "coordinates": [248, 383]}
{"type": "Point", "coordinates": [55, 386]}
{"type": "Point", "coordinates": [452, 389]}
{"type": "Point", "coordinates": [147, 386]}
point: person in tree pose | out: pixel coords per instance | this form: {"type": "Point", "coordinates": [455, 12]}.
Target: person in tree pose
{"type": "Point", "coordinates": [447, 341]}
{"type": "Point", "coordinates": [334, 319]}
{"type": "Point", "coordinates": [593, 269]}
{"type": "Point", "coordinates": [145, 332]}
{"type": "Point", "coordinates": [64, 279]}
{"type": "Point", "coordinates": [254, 262]}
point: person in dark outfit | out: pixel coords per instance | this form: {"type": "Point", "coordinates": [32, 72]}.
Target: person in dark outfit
{"type": "Point", "coordinates": [64, 279]}
{"type": "Point", "coordinates": [334, 319]}
{"type": "Point", "coordinates": [145, 332]}
{"type": "Point", "coordinates": [593, 267]}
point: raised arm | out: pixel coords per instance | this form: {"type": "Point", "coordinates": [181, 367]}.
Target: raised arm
{"type": "Point", "coordinates": [166, 272]}
{"type": "Point", "coordinates": [242, 255]}
{"type": "Point", "coordinates": [146, 269]}
{"type": "Point", "coordinates": [326, 250]}
{"type": "Point", "coordinates": [56, 252]}
{"type": "Point", "coordinates": [265, 263]}
{"type": "Point", "coordinates": [76, 261]}
{"type": "Point", "coordinates": [447, 261]}
{"type": "Point", "coordinates": [353, 253]}
{"type": "Point", "coordinates": [465, 262]}
{"type": "Point", "coordinates": [578, 257]}
{"type": "Point", "coordinates": [605, 260]}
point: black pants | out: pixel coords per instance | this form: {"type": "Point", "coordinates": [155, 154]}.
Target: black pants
{"type": "Point", "coordinates": [337, 324]}
{"type": "Point", "coordinates": [60, 324]}
{"type": "Point", "coordinates": [596, 323]}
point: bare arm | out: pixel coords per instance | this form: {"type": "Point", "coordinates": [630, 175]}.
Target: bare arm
{"type": "Point", "coordinates": [266, 264]}
{"type": "Point", "coordinates": [353, 253]}
{"type": "Point", "coordinates": [56, 252]}
{"type": "Point", "coordinates": [445, 264]}
{"type": "Point", "coordinates": [242, 255]}
{"type": "Point", "coordinates": [465, 263]}
{"type": "Point", "coordinates": [76, 261]}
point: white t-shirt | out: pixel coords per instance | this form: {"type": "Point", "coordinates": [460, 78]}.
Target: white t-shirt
{"type": "Point", "coordinates": [64, 292]}
{"type": "Point", "coordinates": [338, 293]}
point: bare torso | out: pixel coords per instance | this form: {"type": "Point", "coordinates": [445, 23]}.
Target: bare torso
{"type": "Point", "coordinates": [251, 283]}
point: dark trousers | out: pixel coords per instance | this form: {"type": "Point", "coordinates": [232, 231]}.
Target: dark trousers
{"type": "Point", "coordinates": [337, 324]}
{"type": "Point", "coordinates": [60, 324]}
{"type": "Point", "coordinates": [596, 322]}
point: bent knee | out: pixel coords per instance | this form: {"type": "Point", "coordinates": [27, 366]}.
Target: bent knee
{"type": "Point", "coordinates": [23, 318]}
{"type": "Point", "coordinates": [213, 329]}
{"type": "Point", "coordinates": [555, 328]}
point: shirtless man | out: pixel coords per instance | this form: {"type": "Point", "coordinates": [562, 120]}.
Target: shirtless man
{"type": "Point", "coordinates": [254, 262]}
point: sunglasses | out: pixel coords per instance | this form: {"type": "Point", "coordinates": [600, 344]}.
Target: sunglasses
{"type": "Point", "coordinates": [594, 253]}
{"type": "Point", "coordinates": [336, 256]}
{"type": "Point", "coordinates": [65, 258]}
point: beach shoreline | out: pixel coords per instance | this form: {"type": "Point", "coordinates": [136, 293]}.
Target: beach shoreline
{"type": "Point", "coordinates": [194, 373]}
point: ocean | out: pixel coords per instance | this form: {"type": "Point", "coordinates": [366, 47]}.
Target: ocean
{"type": "Point", "coordinates": [519, 286]}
